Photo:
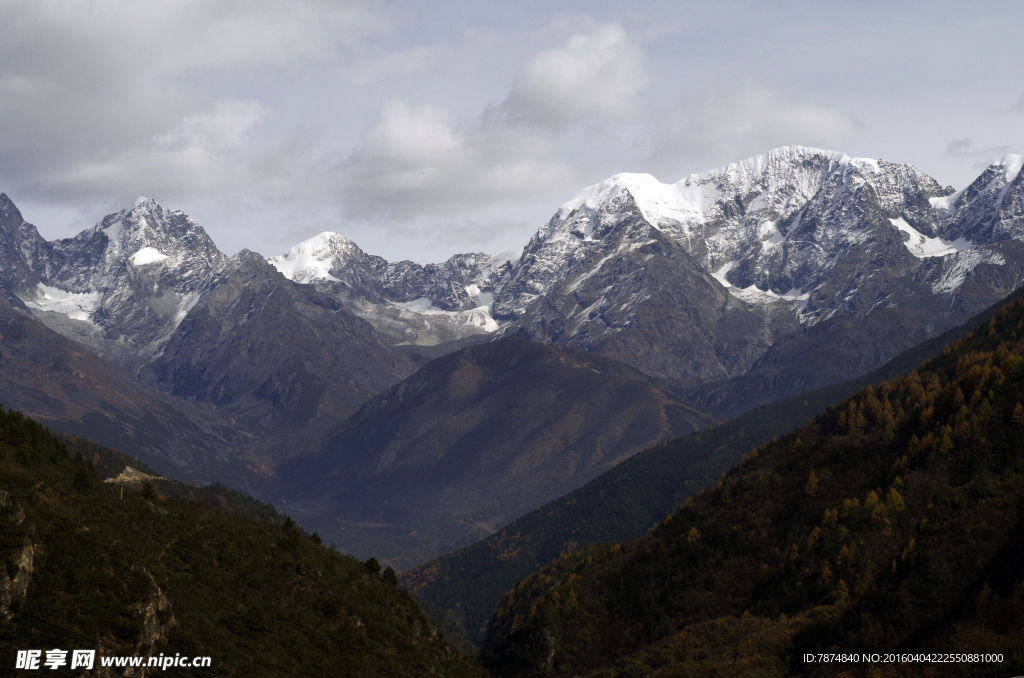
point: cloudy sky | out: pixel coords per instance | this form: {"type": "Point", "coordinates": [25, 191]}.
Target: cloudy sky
{"type": "Point", "coordinates": [423, 129]}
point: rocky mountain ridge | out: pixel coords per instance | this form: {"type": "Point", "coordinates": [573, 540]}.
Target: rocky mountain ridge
{"type": "Point", "coordinates": [723, 276]}
{"type": "Point", "coordinates": [732, 288]}
{"type": "Point", "coordinates": [781, 249]}
{"type": "Point", "coordinates": [120, 288]}
{"type": "Point", "coordinates": [743, 256]}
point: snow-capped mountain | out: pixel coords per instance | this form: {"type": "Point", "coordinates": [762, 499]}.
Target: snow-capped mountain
{"type": "Point", "coordinates": [738, 276]}
{"type": "Point", "coordinates": [412, 304]}
{"type": "Point", "coordinates": [730, 288]}
{"type": "Point", "coordinates": [773, 246]}
{"type": "Point", "coordinates": [123, 286]}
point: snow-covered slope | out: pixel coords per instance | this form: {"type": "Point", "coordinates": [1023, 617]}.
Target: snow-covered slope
{"type": "Point", "coordinates": [412, 304]}
{"type": "Point", "coordinates": [776, 222]}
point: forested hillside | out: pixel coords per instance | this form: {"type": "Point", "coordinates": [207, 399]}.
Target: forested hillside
{"type": "Point", "coordinates": [626, 501]}
{"type": "Point", "coordinates": [893, 522]}
{"type": "Point", "coordinates": [134, 571]}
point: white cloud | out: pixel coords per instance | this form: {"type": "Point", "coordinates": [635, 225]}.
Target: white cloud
{"type": "Point", "coordinates": [595, 74]}
{"type": "Point", "coordinates": [206, 150]}
{"type": "Point", "coordinates": [404, 62]}
{"type": "Point", "coordinates": [416, 161]}
{"type": "Point", "coordinates": [227, 125]}
{"type": "Point", "coordinates": [730, 122]}
{"type": "Point", "coordinates": [97, 95]}
{"type": "Point", "coordinates": [412, 136]}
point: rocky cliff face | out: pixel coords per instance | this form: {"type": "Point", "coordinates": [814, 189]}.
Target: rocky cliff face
{"type": "Point", "coordinates": [741, 272]}
{"type": "Point", "coordinates": [121, 287]}
{"type": "Point", "coordinates": [22, 251]}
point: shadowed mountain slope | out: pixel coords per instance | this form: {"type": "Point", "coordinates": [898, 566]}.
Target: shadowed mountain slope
{"type": "Point", "coordinates": [73, 391]}
{"type": "Point", "coordinates": [284, 358]}
{"type": "Point", "coordinates": [480, 436]}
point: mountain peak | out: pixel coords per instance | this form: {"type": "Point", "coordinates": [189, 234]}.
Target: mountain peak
{"type": "Point", "coordinates": [313, 258]}
{"type": "Point", "coordinates": [688, 198]}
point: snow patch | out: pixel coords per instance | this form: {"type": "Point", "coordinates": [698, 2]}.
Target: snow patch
{"type": "Point", "coordinates": [957, 268]}
{"type": "Point", "coordinates": [77, 306]}
{"type": "Point", "coordinates": [944, 203]}
{"type": "Point", "coordinates": [755, 295]}
{"type": "Point", "coordinates": [311, 259]}
{"type": "Point", "coordinates": [481, 299]}
{"type": "Point", "coordinates": [869, 164]}
{"type": "Point", "coordinates": [421, 305]}
{"type": "Point", "coordinates": [922, 247]}
{"type": "Point", "coordinates": [758, 297]}
{"type": "Point", "coordinates": [148, 255]}
{"type": "Point", "coordinates": [1011, 168]}
{"type": "Point", "coordinates": [184, 306]}
{"type": "Point", "coordinates": [113, 231]}
{"type": "Point", "coordinates": [720, 274]}
{"type": "Point", "coordinates": [474, 317]}
{"type": "Point", "coordinates": [771, 237]}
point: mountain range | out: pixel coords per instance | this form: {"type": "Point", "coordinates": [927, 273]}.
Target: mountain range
{"type": "Point", "coordinates": [294, 375]}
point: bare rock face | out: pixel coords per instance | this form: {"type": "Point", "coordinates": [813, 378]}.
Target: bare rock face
{"type": "Point", "coordinates": [13, 590]}
{"type": "Point", "coordinates": [768, 277]}
{"type": "Point", "coordinates": [22, 252]}
{"type": "Point", "coordinates": [121, 287]}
